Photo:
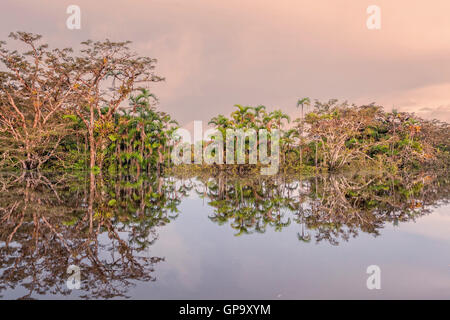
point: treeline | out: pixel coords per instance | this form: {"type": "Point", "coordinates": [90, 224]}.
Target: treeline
{"type": "Point", "coordinates": [61, 109]}
{"type": "Point", "coordinates": [336, 135]}
{"type": "Point", "coordinates": [65, 110]}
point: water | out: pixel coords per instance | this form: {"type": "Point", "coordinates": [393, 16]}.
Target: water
{"type": "Point", "coordinates": [223, 238]}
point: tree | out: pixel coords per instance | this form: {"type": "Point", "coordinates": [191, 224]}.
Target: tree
{"type": "Point", "coordinates": [110, 72]}
{"type": "Point", "coordinates": [34, 91]}
{"type": "Point", "coordinates": [278, 117]}
{"type": "Point", "coordinates": [302, 102]}
{"type": "Point", "coordinates": [340, 131]}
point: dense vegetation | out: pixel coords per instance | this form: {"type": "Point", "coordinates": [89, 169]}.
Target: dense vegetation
{"type": "Point", "coordinates": [62, 110]}
{"type": "Point", "coordinates": [59, 109]}
{"type": "Point", "coordinates": [336, 135]}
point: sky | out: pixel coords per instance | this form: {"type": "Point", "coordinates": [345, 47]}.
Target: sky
{"type": "Point", "coordinates": [215, 54]}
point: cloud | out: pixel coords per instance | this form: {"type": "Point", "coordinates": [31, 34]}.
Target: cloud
{"type": "Point", "coordinates": [215, 54]}
{"type": "Point", "coordinates": [429, 102]}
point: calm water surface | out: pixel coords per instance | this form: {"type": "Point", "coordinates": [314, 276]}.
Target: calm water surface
{"type": "Point", "coordinates": [224, 238]}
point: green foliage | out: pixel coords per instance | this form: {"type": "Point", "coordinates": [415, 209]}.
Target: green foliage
{"type": "Point", "coordinates": [335, 136]}
{"type": "Point", "coordinates": [137, 138]}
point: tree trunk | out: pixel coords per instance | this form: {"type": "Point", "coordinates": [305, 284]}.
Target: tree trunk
{"type": "Point", "coordinates": [91, 148]}
{"type": "Point", "coordinates": [91, 199]}
{"type": "Point", "coordinates": [316, 156]}
{"type": "Point", "coordinates": [301, 156]}
{"type": "Point", "coordinates": [91, 138]}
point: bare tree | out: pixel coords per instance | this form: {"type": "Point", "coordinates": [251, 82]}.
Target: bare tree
{"type": "Point", "coordinates": [34, 89]}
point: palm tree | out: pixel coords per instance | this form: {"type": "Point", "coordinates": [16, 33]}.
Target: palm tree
{"type": "Point", "coordinates": [142, 135]}
{"type": "Point", "coordinates": [239, 115]}
{"type": "Point", "coordinates": [302, 102]}
{"type": "Point", "coordinates": [287, 141]}
{"type": "Point", "coordinates": [220, 121]}
{"type": "Point", "coordinates": [142, 100]}
{"type": "Point", "coordinates": [278, 116]}
{"type": "Point", "coordinates": [259, 109]}
{"type": "Point", "coordinates": [260, 113]}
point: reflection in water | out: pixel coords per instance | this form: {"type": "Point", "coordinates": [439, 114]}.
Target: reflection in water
{"type": "Point", "coordinates": [47, 225]}
{"type": "Point", "coordinates": [332, 207]}
{"type": "Point", "coordinates": [106, 225]}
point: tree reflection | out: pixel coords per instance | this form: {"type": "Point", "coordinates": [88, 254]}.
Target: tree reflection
{"type": "Point", "coordinates": [331, 208]}
{"type": "Point", "coordinates": [107, 225]}
{"type": "Point", "coordinates": [105, 228]}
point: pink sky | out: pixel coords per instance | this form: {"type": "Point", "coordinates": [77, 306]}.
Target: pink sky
{"type": "Point", "coordinates": [215, 54]}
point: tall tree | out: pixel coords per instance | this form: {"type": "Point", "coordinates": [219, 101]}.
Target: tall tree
{"type": "Point", "coordinates": [302, 102]}
{"type": "Point", "coordinates": [110, 73]}
{"type": "Point", "coordinates": [35, 88]}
